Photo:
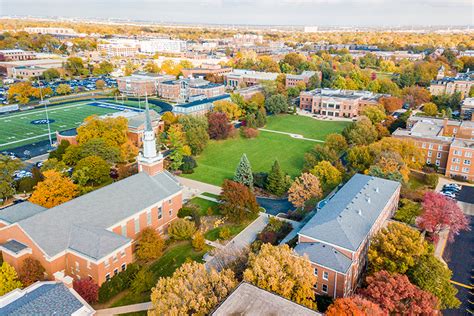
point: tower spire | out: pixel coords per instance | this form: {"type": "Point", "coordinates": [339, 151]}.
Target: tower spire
{"type": "Point", "coordinates": [148, 126]}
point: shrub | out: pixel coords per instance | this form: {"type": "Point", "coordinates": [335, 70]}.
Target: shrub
{"type": "Point", "coordinates": [268, 237]}
{"type": "Point", "coordinates": [249, 132]}
{"type": "Point", "coordinates": [25, 184]}
{"type": "Point", "coordinates": [181, 229]}
{"type": "Point", "coordinates": [118, 283]}
{"type": "Point", "coordinates": [87, 289]}
{"type": "Point", "coordinates": [224, 233]}
{"type": "Point", "coordinates": [189, 163]}
{"type": "Point", "coordinates": [143, 281]}
{"type": "Point", "coordinates": [188, 210]}
{"type": "Point", "coordinates": [150, 245]}
{"type": "Point", "coordinates": [31, 271]}
{"type": "Point", "coordinates": [198, 241]}
{"type": "Point", "coordinates": [260, 179]}
{"type": "Point", "coordinates": [431, 180]}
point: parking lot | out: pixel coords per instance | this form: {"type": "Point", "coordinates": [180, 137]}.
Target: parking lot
{"type": "Point", "coordinates": [466, 199]}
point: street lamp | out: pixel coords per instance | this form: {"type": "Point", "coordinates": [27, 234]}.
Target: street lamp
{"type": "Point", "coordinates": [46, 112]}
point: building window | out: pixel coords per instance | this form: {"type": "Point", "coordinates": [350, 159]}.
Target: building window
{"type": "Point", "coordinates": [122, 253]}
{"type": "Point", "coordinates": [457, 153]}
{"type": "Point", "coordinates": [468, 154]}
{"type": "Point", "coordinates": [315, 271]}
{"type": "Point", "coordinates": [115, 271]}
{"type": "Point", "coordinates": [438, 155]}
{"type": "Point", "coordinates": [115, 258]}
{"type": "Point", "coordinates": [429, 153]}
{"type": "Point", "coordinates": [430, 146]}
{"type": "Point", "coordinates": [124, 230]}
{"type": "Point", "coordinates": [123, 267]}
{"type": "Point", "coordinates": [438, 163]}
{"type": "Point", "coordinates": [423, 145]}
{"type": "Point", "coordinates": [455, 130]}
{"type": "Point", "coordinates": [148, 218]}
{"type": "Point", "coordinates": [170, 212]}
{"type": "Point", "coordinates": [106, 262]}
{"type": "Point", "coordinates": [160, 213]}
{"type": "Point", "coordinates": [456, 160]}
{"type": "Point", "coordinates": [325, 288]}
{"type": "Point", "coordinates": [467, 161]}
{"type": "Point", "coordinates": [315, 286]}
{"type": "Point", "coordinates": [440, 147]}
{"type": "Point", "coordinates": [465, 169]}
{"type": "Point", "coordinates": [325, 275]}
{"type": "Point", "coordinates": [428, 161]}
{"type": "Point", "coordinates": [169, 201]}
{"type": "Point", "coordinates": [107, 277]}
{"type": "Point", "coordinates": [137, 225]}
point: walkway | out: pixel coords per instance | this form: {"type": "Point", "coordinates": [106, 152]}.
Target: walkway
{"type": "Point", "coordinates": [239, 242]}
{"type": "Point", "coordinates": [297, 136]}
{"type": "Point", "coordinates": [199, 186]}
{"type": "Point", "coordinates": [125, 309]}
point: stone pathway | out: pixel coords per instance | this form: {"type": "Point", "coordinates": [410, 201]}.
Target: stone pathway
{"type": "Point", "coordinates": [297, 136]}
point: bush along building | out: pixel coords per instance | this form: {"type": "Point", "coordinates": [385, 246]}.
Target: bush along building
{"type": "Point", "coordinates": [93, 235]}
{"type": "Point", "coordinates": [337, 238]}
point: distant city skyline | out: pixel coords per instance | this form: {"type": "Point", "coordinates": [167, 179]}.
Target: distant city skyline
{"type": "Point", "coordinates": [255, 12]}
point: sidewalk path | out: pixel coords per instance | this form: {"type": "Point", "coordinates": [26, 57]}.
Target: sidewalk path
{"type": "Point", "coordinates": [297, 136]}
{"type": "Point", "coordinates": [199, 186]}
{"type": "Point", "coordinates": [441, 245]}
{"type": "Point", "coordinates": [125, 309]}
{"type": "Point", "coordinates": [205, 197]}
{"type": "Point", "coordinates": [214, 244]}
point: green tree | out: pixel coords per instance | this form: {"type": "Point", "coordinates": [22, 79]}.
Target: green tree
{"type": "Point", "coordinates": [63, 89]}
{"type": "Point", "coordinates": [75, 66]}
{"type": "Point", "coordinates": [243, 173]}
{"type": "Point", "coordinates": [177, 143]}
{"type": "Point", "coordinates": [431, 275]}
{"type": "Point", "coordinates": [54, 164]}
{"type": "Point", "coordinates": [99, 147]}
{"type": "Point", "coordinates": [362, 132]}
{"type": "Point", "coordinates": [277, 182]}
{"type": "Point", "coordinates": [181, 229]}
{"type": "Point", "coordinates": [195, 129]}
{"type": "Point", "coordinates": [92, 171]}
{"type": "Point", "coordinates": [408, 211]}
{"type": "Point", "coordinates": [374, 113]}
{"type": "Point", "coordinates": [430, 109]}
{"type": "Point", "coordinates": [8, 279]}
{"type": "Point", "coordinates": [7, 168]}
{"type": "Point", "coordinates": [143, 281]}
{"type": "Point", "coordinates": [336, 142]}
{"type": "Point", "coordinates": [276, 104]}
{"type": "Point", "coordinates": [60, 150]}
{"type": "Point", "coordinates": [396, 248]}
{"type": "Point", "coordinates": [328, 175]}
{"type": "Point", "coordinates": [51, 74]}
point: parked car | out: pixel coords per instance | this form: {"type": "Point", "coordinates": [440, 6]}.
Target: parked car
{"type": "Point", "coordinates": [449, 195]}
{"type": "Point", "coordinates": [452, 186]}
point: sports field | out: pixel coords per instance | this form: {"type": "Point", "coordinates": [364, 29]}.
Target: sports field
{"type": "Point", "coordinates": [27, 127]}
{"type": "Point", "coordinates": [220, 158]}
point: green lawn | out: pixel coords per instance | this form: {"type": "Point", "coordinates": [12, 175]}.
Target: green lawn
{"type": "Point", "coordinates": [306, 126]}
{"type": "Point", "coordinates": [174, 256]}
{"type": "Point", "coordinates": [215, 196]}
{"type": "Point", "coordinates": [220, 158]}
{"type": "Point", "coordinates": [213, 234]}
{"type": "Point", "coordinates": [205, 205]}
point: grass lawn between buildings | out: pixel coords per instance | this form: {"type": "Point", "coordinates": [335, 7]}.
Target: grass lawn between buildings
{"type": "Point", "coordinates": [220, 158]}
{"type": "Point", "coordinates": [205, 205]}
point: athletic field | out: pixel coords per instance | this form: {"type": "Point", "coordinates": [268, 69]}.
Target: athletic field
{"type": "Point", "coordinates": [27, 127]}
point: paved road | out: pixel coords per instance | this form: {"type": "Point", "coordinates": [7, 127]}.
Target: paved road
{"type": "Point", "coordinates": [460, 258]}
{"type": "Point", "coordinates": [275, 206]}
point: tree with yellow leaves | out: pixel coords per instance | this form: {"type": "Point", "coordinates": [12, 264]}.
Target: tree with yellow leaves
{"type": "Point", "coordinates": [328, 175]}
{"type": "Point", "coordinates": [304, 188]}
{"type": "Point", "coordinates": [191, 290]}
{"type": "Point", "coordinates": [231, 109]}
{"type": "Point", "coordinates": [55, 189]}
{"type": "Point", "coordinates": [277, 269]}
{"type": "Point", "coordinates": [8, 279]}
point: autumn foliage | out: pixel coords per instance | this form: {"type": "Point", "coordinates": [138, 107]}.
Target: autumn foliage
{"type": "Point", "coordinates": [397, 296]}
{"type": "Point", "coordinates": [354, 306]}
{"type": "Point", "coordinates": [219, 127]}
{"type": "Point", "coordinates": [87, 289]}
{"type": "Point", "coordinates": [55, 189]}
{"type": "Point", "coordinates": [237, 201]}
{"type": "Point", "coordinates": [304, 188]}
{"type": "Point", "coordinates": [31, 271]}
{"type": "Point", "coordinates": [440, 213]}
{"type": "Point", "coordinates": [150, 244]}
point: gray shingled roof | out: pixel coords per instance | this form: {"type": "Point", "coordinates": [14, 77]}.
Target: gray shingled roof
{"type": "Point", "coordinates": [20, 211]}
{"type": "Point", "coordinates": [324, 255]}
{"type": "Point", "coordinates": [138, 120]}
{"type": "Point", "coordinates": [249, 300]}
{"type": "Point", "coordinates": [47, 299]}
{"type": "Point", "coordinates": [55, 230]}
{"type": "Point", "coordinates": [347, 218]}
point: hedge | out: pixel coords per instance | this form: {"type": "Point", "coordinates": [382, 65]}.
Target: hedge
{"type": "Point", "coordinates": [118, 283]}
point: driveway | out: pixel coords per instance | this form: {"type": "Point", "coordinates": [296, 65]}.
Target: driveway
{"type": "Point", "coordinates": [460, 258]}
{"type": "Point", "coordinates": [275, 206]}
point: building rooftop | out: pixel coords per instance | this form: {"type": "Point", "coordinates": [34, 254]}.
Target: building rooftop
{"type": "Point", "coordinates": [304, 74]}
{"type": "Point", "coordinates": [347, 218]}
{"type": "Point", "coordinates": [14, 246]}
{"type": "Point", "coordinates": [236, 73]}
{"type": "Point", "coordinates": [324, 255]}
{"type": "Point", "coordinates": [464, 143]}
{"type": "Point", "coordinates": [203, 101]}
{"type": "Point", "coordinates": [250, 300]}
{"type": "Point", "coordinates": [17, 212]}
{"type": "Point", "coordinates": [86, 220]}
{"type": "Point", "coordinates": [344, 94]}
{"type": "Point", "coordinates": [44, 298]}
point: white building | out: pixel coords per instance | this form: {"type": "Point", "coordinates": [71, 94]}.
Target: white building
{"type": "Point", "coordinates": [162, 45]}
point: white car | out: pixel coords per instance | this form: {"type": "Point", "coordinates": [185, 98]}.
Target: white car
{"type": "Point", "coordinates": [449, 195]}
{"type": "Point", "coordinates": [452, 185]}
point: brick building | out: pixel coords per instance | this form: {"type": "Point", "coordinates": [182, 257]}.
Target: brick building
{"type": "Point", "coordinates": [16, 55]}
{"type": "Point", "coordinates": [293, 80]}
{"type": "Point", "coordinates": [447, 144]}
{"type": "Point", "coordinates": [93, 235]}
{"type": "Point", "coordinates": [206, 69]}
{"type": "Point", "coordinates": [141, 83]}
{"type": "Point", "coordinates": [337, 237]}
{"type": "Point", "coordinates": [183, 89]}
{"type": "Point", "coordinates": [448, 85]}
{"type": "Point", "coordinates": [337, 103]}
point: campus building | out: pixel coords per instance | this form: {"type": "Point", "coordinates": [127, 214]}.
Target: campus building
{"type": "Point", "coordinates": [462, 83]}
{"type": "Point", "coordinates": [293, 80]}
{"type": "Point", "coordinates": [119, 47]}
{"type": "Point", "coordinates": [337, 237]}
{"type": "Point", "coordinates": [29, 68]}
{"type": "Point", "coordinates": [141, 83]}
{"type": "Point", "coordinates": [467, 108]}
{"type": "Point", "coordinates": [16, 54]}
{"type": "Point", "coordinates": [162, 45]}
{"type": "Point", "coordinates": [205, 70]}
{"type": "Point", "coordinates": [183, 89]}
{"type": "Point", "coordinates": [92, 236]}
{"type": "Point", "coordinates": [55, 31]}
{"type": "Point", "coordinates": [240, 78]}
{"type": "Point", "coordinates": [337, 103]}
{"type": "Point", "coordinates": [448, 144]}
{"type": "Point", "coordinates": [199, 106]}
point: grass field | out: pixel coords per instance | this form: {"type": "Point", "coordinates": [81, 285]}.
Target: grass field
{"type": "Point", "coordinates": [220, 158]}
{"type": "Point", "coordinates": [17, 129]}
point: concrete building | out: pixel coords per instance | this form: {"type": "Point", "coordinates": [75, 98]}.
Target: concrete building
{"type": "Point", "coordinates": [183, 89]}
{"type": "Point", "coordinates": [119, 47]}
{"type": "Point", "coordinates": [240, 40]}
{"type": "Point", "coordinates": [447, 144]}
{"type": "Point", "coordinates": [29, 68]}
{"type": "Point", "coordinates": [467, 108]}
{"type": "Point", "coordinates": [205, 70]}
{"type": "Point", "coordinates": [249, 92]}
{"type": "Point", "coordinates": [92, 236]}
{"type": "Point", "coordinates": [337, 103]}
{"type": "Point", "coordinates": [162, 45]}
{"type": "Point", "coordinates": [199, 106]}
{"type": "Point", "coordinates": [247, 299]}
{"type": "Point", "coordinates": [44, 298]}
{"type": "Point", "coordinates": [16, 55]}
{"type": "Point", "coordinates": [141, 83]}
{"type": "Point", "coordinates": [293, 80]}
{"type": "Point", "coordinates": [337, 237]}
{"type": "Point", "coordinates": [55, 31]}
{"type": "Point", "coordinates": [26, 72]}
{"type": "Point", "coordinates": [241, 78]}
{"type": "Point", "coordinates": [462, 83]}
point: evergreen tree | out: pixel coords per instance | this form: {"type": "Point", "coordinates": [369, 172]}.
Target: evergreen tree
{"type": "Point", "coordinates": [243, 173]}
{"type": "Point", "coordinates": [277, 182]}
{"type": "Point", "coordinates": [261, 118]}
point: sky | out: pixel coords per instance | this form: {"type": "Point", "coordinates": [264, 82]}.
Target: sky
{"type": "Point", "coordinates": [256, 12]}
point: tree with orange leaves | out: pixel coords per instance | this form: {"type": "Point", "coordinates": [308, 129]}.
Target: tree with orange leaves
{"type": "Point", "coordinates": [55, 189]}
{"type": "Point", "coordinates": [354, 306]}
